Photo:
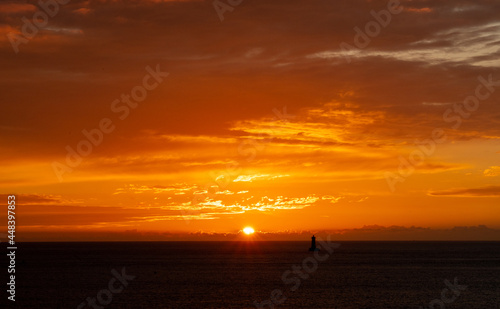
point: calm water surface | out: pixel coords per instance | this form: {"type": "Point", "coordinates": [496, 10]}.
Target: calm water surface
{"type": "Point", "coordinates": [235, 274]}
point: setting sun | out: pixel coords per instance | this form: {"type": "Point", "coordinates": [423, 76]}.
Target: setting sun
{"type": "Point", "coordinates": [248, 230]}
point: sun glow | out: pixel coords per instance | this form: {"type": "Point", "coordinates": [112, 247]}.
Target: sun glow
{"type": "Point", "coordinates": [248, 230]}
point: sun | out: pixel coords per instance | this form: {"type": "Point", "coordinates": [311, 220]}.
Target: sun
{"type": "Point", "coordinates": [248, 230]}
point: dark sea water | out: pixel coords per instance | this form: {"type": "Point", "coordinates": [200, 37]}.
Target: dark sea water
{"type": "Point", "coordinates": [235, 274]}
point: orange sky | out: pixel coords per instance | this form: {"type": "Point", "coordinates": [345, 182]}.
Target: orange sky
{"type": "Point", "coordinates": [263, 120]}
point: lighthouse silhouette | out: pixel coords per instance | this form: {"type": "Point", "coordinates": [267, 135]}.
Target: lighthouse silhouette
{"type": "Point", "coordinates": [313, 244]}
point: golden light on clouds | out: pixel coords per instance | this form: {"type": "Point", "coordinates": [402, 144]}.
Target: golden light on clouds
{"type": "Point", "coordinates": [260, 119]}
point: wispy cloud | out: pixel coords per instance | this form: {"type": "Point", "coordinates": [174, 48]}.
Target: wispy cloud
{"type": "Point", "coordinates": [489, 191]}
{"type": "Point", "coordinates": [492, 171]}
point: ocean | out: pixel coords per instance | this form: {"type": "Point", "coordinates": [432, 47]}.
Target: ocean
{"type": "Point", "coordinates": [256, 275]}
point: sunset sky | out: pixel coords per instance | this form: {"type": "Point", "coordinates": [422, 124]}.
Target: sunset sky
{"type": "Point", "coordinates": [265, 119]}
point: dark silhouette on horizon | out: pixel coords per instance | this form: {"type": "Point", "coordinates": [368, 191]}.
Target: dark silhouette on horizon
{"type": "Point", "coordinates": [313, 244]}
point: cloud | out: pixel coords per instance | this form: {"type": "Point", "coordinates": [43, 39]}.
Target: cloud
{"type": "Point", "coordinates": [41, 199]}
{"type": "Point", "coordinates": [489, 191]}
{"type": "Point", "coordinates": [418, 10]}
{"type": "Point", "coordinates": [492, 171]}
{"type": "Point", "coordinates": [13, 8]}
{"type": "Point", "coordinates": [82, 11]}
{"type": "Point", "coordinates": [176, 189]}
{"type": "Point", "coordinates": [475, 46]}
{"type": "Point", "coordinates": [250, 178]}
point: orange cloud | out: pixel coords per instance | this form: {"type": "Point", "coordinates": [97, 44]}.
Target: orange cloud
{"type": "Point", "coordinates": [490, 191]}
{"type": "Point", "coordinates": [13, 8]}
{"type": "Point", "coordinates": [82, 11]}
{"type": "Point", "coordinates": [492, 171]}
{"type": "Point", "coordinates": [418, 10]}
